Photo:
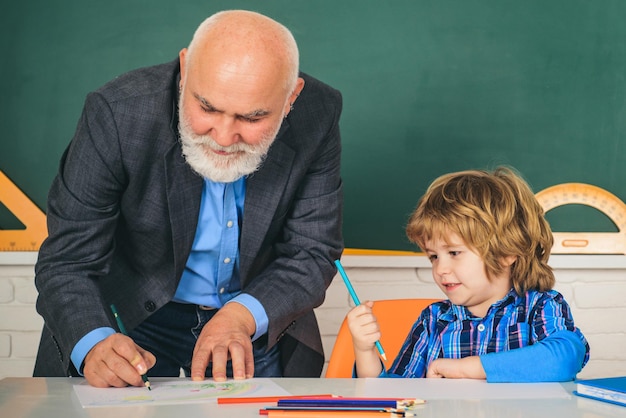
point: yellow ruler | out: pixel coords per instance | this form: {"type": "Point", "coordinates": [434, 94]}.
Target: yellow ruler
{"type": "Point", "coordinates": [30, 238]}
{"type": "Point", "coordinates": [587, 242]}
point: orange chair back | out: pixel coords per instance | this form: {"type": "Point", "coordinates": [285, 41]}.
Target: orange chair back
{"type": "Point", "coordinates": [395, 318]}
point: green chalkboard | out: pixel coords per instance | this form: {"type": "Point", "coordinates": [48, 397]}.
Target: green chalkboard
{"type": "Point", "coordinates": [430, 86]}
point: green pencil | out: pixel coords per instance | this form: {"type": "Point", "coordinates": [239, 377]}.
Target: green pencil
{"type": "Point", "coordinates": [120, 325]}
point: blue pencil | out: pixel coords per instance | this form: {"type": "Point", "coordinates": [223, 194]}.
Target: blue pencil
{"type": "Point", "coordinates": [348, 403]}
{"type": "Point", "coordinates": [323, 410]}
{"type": "Point", "coordinates": [356, 301]}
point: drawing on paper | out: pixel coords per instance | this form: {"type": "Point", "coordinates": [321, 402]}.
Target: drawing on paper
{"type": "Point", "coordinates": [177, 391]}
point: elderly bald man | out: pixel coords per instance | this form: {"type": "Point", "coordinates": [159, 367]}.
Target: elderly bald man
{"type": "Point", "coordinates": [203, 199]}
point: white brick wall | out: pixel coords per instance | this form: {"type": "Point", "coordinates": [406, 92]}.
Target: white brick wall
{"type": "Point", "coordinates": [20, 325]}
{"type": "Point", "coordinates": [595, 287]}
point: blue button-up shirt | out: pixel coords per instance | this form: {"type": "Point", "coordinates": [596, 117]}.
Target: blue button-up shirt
{"type": "Point", "coordinates": [211, 275]}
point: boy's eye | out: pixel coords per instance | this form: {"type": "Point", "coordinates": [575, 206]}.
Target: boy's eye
{"type": "Point", "coordinates": [432, 257]}
{"type": "Point", "coordinates": [453, 253]}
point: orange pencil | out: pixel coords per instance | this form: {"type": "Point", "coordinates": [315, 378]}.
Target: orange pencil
{"type": "Point", "coordinates": [333, 414]}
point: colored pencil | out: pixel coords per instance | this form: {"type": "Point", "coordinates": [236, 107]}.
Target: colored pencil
{"type": "Point", "coordinates": [356, 301]}
{"type": "Point", "coordinates": [268, 399]}
{"type": "Point", "coordinates": [122, 328]}
{"type": "Point", "coordinates": [336, 414]}
{"type": "Point", "coordinates": [351, 402]}
{"type": "Point", "coordinates": [333, 408]}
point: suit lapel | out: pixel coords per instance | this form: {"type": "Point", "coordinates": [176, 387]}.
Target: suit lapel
{"type": "Point", "coordinates": [264, 190]}
{"type": "Point", "coordinates": [184, 192]}
{"type": "Point", "coordinates": [263, 193]}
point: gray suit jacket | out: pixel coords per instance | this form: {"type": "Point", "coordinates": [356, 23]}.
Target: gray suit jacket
{"type": "Point", "coordinates": [123, 209]}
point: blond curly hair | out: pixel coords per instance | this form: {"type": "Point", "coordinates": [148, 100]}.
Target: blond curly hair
{"type": "Point", "coordinates": [497, 215]}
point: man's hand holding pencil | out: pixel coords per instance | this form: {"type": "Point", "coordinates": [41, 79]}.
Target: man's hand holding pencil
{"type": "Point", "coordinates": [117, 361]}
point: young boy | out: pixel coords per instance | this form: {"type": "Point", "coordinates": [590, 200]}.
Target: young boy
{"type": "Point", "coordinates": [489, 243]}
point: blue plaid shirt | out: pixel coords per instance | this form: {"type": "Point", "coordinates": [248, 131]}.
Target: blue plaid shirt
{"type": "Point", "coordinates": [444, 330]}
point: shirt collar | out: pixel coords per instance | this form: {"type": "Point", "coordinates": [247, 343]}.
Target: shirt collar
{"type": "Point", "coordinates": [456, 312]}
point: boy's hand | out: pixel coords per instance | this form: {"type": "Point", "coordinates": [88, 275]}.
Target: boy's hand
{"type": "Point", "coordinates": [363, 327]}
{"type": "Point", "coordinates": [463, 368]}
{"type": "Point", "coordinates": [365, 332]}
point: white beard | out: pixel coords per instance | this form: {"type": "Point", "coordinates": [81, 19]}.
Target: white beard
{"type": "Point", "coordinates": [243, 159]}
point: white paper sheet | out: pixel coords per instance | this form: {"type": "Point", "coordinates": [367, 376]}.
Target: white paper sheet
{"type": "Point", "coordinates": [175, 391]}
{"type": "Point", "coordinates": [429, 389]}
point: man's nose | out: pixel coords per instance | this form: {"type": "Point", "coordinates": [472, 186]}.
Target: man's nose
{"type": "Point", "coordinates": [224, 131]}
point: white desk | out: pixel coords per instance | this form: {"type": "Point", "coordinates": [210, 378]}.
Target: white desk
{"type": "Point", "coordinates": [55, 398]}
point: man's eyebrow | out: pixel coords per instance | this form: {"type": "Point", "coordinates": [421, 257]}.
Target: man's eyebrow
{"type": "Point", "coordinates": [254, 114]}
{"type": "Point", "coordinates": [205, 103]}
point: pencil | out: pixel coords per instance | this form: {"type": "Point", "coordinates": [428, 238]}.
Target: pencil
{"type": "Point", "coordinates": [122, 328]}
{"type": "Point", "coordinates": [351, 402]}
{"type": "Point", "coordinates": [322, 410]}
{"type": "Point", "coordinates": [333, 414]}
{"type": "Point", "coordinates": [269, 399]}
{"type": "Point", "coordinates": [356, 301]}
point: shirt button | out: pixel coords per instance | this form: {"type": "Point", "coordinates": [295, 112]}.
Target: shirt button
{"type": "Point", "coordinates": [481, 327]}
{"type": "Point", "coordinates": [221, 290]}
{"type": "Point", "coordinates": [227, 260]}
{"type": "Point", "coordinates": [229, 224]}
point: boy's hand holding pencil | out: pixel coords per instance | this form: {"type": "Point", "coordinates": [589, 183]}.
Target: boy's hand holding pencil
{"type": "Point", "coordinates": [357, 302]}
{"type": "Point", "coordinates": [364, 327]}
{"type": "Point", "coordinates": [365, 332]}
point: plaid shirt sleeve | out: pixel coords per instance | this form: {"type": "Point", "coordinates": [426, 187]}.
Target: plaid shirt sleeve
{"type": "Point", "coordinates": [557, 349]}
{"type": "Point", "coordinates": [551, 314]}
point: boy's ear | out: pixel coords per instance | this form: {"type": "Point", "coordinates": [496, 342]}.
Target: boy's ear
{"type": "Point", "coordinates": [509, 260]}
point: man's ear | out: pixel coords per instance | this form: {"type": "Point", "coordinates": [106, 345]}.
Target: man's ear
{"type": "Point", "coordinates": [182, 55]}
{"type": "Point", "coordinates": [294, 95]}
{"type": "Point", "coordinates": [296, 91]}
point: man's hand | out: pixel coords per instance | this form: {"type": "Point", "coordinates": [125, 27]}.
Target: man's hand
{"type": "Point", "coordinates": [463, 368]}
{"type": "Point", "coordinates": [117, 361]}
{"type": "Point", "coordinates": [226, 335]}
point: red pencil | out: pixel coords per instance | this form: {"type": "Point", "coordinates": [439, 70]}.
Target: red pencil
{"type": "Point", "coordinates": [269, 399]}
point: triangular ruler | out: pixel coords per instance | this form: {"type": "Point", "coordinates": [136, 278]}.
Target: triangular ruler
{"type": "Point", "coordinates": [30, 238]}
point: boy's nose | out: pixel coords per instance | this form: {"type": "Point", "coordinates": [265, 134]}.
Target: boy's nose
{"type": "Point", "coordinates": [441, 267]}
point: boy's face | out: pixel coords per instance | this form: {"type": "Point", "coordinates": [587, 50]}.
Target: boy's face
{"type": "Point", "coordinates": [460, 274]}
